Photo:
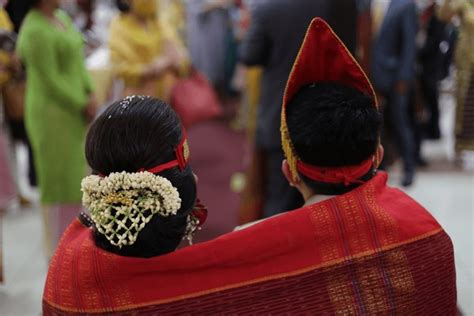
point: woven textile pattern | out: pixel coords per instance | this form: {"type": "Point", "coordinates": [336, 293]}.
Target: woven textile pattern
{"type": "Point", "coordinates": [372, 251]}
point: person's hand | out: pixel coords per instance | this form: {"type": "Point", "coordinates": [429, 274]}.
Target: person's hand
{"type": "Point", "coordinates": [173, 54]}
{"type": "Point", "coordinates": [158, 67]}
{"type": "Point", "coordinates": [91, 108]}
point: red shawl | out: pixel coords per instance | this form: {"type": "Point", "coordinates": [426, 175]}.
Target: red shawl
{"type": "Point", "coordinates": [371, 251]}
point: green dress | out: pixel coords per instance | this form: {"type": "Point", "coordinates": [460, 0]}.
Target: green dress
{"type": "Point", "coordinates": [58, 89]}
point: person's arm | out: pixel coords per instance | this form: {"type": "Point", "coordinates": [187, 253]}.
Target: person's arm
{"type": "Point", "coordinates": [40, 53]}
{"type": "Point", "coordinates": [255, 47]}
{"type": "Point", "coordinates": [406, 72]}
{"type": "Point", "coordinates": [175, 49]}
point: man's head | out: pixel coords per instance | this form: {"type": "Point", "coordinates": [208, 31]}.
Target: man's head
{"type": "Point", "coordinates": [331, 125]}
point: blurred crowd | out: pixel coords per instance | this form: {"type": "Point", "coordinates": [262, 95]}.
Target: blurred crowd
{"type": "Point", "coordinates": [228, 59]}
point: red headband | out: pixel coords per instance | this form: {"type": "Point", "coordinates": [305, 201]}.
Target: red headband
{"type": "Point", "coordinates": [182, 157]}
{"type": "Point", "coordinates": [347, 175]}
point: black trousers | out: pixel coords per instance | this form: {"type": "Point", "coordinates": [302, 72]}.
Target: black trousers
{"type": "Point", "coordinates": [430, 90]}
{"type": "Point", "coordinates": [18, 133]}
{"type": "Point", "coordinates": [400, 112]}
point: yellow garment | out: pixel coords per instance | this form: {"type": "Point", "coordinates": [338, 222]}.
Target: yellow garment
{"type": "Point", "coordinates": [172, 13]}
{"type": "Point", "coordinates": [133, 47]}
{"type": "Point", "coordinates": [253, 89]}
{"type": "Point", "coordinates": [5, 22]}
{"type": "Point", "coordinates": [5, 57]}
{"type": "Point", "coordinates": [144, 8]}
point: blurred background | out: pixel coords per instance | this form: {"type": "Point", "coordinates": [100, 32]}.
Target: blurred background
{"type": "Point", "coordinates": [197, 55]}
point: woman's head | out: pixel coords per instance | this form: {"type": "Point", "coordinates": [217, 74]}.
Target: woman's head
{"type": "Point", "coordinates": [54, 4]}
{"type": "Point", "coordinates": [141, 8]}
{"type": "Point", "coordinates": [140, 133]}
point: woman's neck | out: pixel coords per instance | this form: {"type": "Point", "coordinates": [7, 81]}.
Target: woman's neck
{"type": "Point", "coordinates": [47, 9]}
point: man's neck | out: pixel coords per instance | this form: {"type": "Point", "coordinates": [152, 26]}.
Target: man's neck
{"type": "Point", "coordinates": [47, 10]}
{"type": "Point", "coordinates": [317, 198]}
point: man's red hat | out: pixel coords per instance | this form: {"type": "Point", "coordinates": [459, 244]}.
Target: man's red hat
{"type": "Point", "coordinates": [323, 57]}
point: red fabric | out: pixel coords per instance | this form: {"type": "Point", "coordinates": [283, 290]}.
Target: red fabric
{"type": "Point", "coordinates": [324, 58]}
{"type": "Point", "coordinates": [194, 100]}
{"type": "Point", "coordinates": [370, 232]}
{"type": "Point", "coordinates": [347, 175]}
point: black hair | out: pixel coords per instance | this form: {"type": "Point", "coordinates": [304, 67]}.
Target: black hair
{"type": "Point", "coordinates": [30, 4]}
{"type": "Point", "coordinates": [333, 125]}
{"type": "Point", "coordinates": [142, 133]}
{"type": "Point", "coordinates": [123, 5]}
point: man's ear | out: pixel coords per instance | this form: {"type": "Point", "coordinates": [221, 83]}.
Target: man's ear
{"type": "Point", "coordinates": [379, 156]}
{"type": "Point", "coordinates": [285, 168]}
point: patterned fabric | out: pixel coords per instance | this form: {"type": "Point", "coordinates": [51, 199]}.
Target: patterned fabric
{"type": "Point", "coordinates": [371, 251]}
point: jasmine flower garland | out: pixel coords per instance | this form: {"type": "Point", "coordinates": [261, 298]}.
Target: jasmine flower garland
{"type": "Point", "coordinates": [123, 203]}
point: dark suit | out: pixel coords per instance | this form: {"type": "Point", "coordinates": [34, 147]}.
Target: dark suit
{"type": "Point", "coordinates": [394, 55]}
{"type": "Point", "coordinates": [276, 33]}
{"type": "Point", "coordinates": [431, 61]}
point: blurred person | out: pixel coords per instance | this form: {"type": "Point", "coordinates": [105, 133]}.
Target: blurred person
{"type": "Point", "coordinates": [8, 190]}
{"type": "Point", "coordinates": [393, 74]}
{"type": "Point", "coordinates": [464, 61]}
{"type": "Point", "coordinates": [7, 185]}
{"type": "Point", "coordinates": [59, 102]}
{"type": "Point", "coordinates": [430, 58]}
{"type": "Point", "coordinates": [12, 86]}
{"type": "Point", "coordinates": [145, 53]}
{"type": "Point", "coordinates": [209, 36]}
{"type": "Point", "coordinates": [273, 39]}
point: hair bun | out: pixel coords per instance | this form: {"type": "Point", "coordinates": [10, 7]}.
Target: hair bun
{"type": "Point", "coordinates": [121, 204]}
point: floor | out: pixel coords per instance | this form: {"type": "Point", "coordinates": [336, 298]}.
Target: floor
{"type": "Point", "coordinates": [446, 191]}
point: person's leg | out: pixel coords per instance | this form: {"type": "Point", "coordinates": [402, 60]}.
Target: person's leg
{"type": "Point", "coordinates": [279, 195]}
{"type": "Point", "coordinates": [416, 125]}
{"type": "Point", "coordinates": [430, 92]}
{"type": "Point", "coordinates": [18, 135]}
{"type": "Point", "coordinates": [31, 165]}
{"type": "Point", "coordinates": [398, 108]}
{"type": "Point", "coordinates": [22, 136]}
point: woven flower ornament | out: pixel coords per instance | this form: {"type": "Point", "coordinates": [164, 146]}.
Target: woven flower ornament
{"type": "Point", "coordinates": [123, 203]}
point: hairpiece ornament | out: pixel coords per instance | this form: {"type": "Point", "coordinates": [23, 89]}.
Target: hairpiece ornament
{"type": "Point", "coordinates": [121, 204]}
{"type": "Point", "coordinates": [129, 99]}
{"type": "Point", "coordinates": [194, 221]}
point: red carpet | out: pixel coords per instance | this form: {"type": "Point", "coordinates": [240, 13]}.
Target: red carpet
{"type": "Point", "coordinates": [216, 154]}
